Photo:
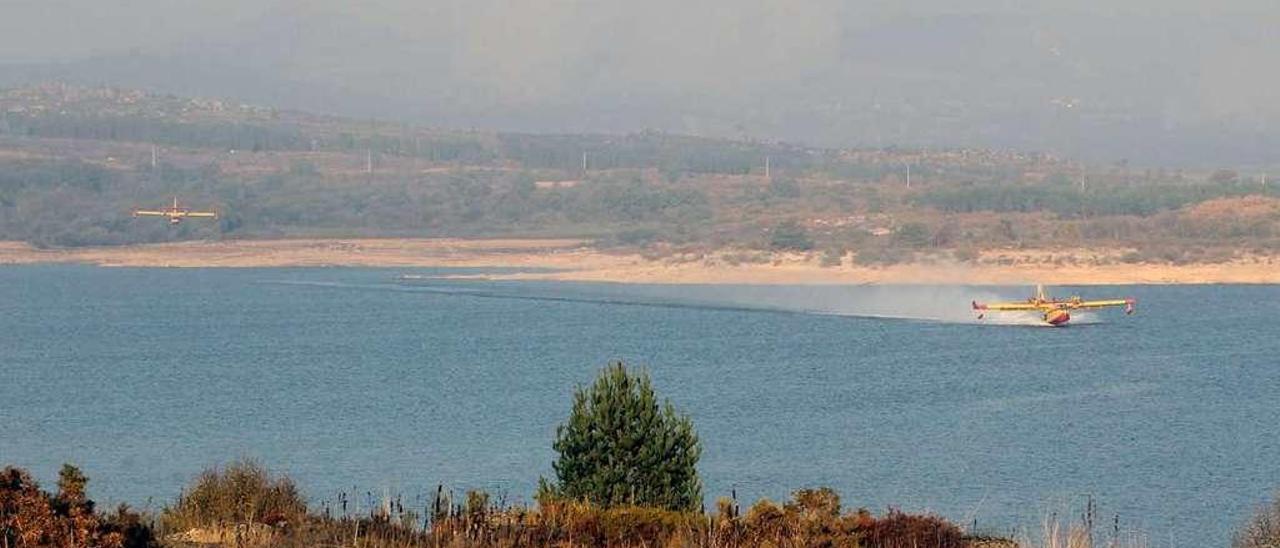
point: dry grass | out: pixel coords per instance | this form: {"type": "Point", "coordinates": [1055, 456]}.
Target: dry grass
{"type": "Point", "coordinates": [242, 498]}
{"type": "Point", "coordinates": [1054, 533]}
{"type": "Point", "coordinates": [1262, 530]}
{"type": "Point", "coordinates": [234, 508]}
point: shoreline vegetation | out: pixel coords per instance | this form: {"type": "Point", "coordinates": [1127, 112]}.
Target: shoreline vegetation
{"type": "Point", "coordinates": [245, 505]}
{"type": "Point", "coordinates": [578, 260]}
{"type": "Point", "coordinates": [625, 475]}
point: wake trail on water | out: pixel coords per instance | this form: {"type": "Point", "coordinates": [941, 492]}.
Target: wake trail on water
{"type": "Point", "coordinates": [521, 295]}
{"type": "Point", "coordinates": [937, 304]}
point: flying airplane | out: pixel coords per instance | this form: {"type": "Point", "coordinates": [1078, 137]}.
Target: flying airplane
{"type": "Point", "coordinates": [175, 213]}
{"type": "Point", "coordinates": [1053, 311]}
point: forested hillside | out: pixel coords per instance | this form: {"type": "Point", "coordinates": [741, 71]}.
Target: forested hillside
{"type": "Point", "coordinates": [75, 161]}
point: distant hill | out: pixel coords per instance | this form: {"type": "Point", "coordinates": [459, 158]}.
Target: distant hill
{"type": "Point", "coordinates": [74, 161]}
{"type": "Point", "coordinates": [1181, 88]}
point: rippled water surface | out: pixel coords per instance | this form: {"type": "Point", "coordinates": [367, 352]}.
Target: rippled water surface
{"type": "Point", "coordinates": [349, 378]}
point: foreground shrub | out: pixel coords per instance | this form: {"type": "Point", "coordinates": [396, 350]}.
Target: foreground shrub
{"type": "Point", "coordinates": [31, 517]}
{"type": "Point", "coordinates": [585, 524]}
{"type": "Point", "coordinates": [244, 494]}
{"type": "Point", "coordinates": [246, 507]}
{"type": "Point", "coordinates": [1262, 530]}
{"type": "Point", "coordinates": [899, 530]}
{"type": "Point", "coordinates": [621, 448]}
{"type": "Point", "coordinates": [813, 518]}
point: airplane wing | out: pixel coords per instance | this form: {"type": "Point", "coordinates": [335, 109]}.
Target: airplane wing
{"type": "Point", "coordinates": [1106, 303]}
{"type": "Point", "coordinates": [1005, 306]}
{"type": "Point", "coordinates": [148, 213]}
{"type": "Point", "coordinates": [208, 214]}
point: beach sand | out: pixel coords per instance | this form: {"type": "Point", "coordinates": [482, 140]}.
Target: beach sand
{"type": "Point", "coordinates": [575, 260]}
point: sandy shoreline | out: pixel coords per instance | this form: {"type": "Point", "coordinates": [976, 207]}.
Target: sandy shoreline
{"type": "Point", "coordinates": [574, 260]}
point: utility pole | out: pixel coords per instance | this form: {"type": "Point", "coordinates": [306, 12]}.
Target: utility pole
{"type": "Point", "coordinates": [368, 161]}
{"type": "Point", "coordinates": [766, 167]}
{"type": "Point", "coordinates": [584, 162]}
{"type": "Point", "coordinates": [908, 174]}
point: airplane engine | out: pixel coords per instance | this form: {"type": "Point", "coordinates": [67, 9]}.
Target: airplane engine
{"type": "Point", "coordinates": [1057, 317]}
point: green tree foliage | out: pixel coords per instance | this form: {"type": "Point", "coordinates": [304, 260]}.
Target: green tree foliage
{"type": "Point", "coordinates": [785, 188]}
{"type": "Point", "coordinates": [621, 447]}
{"type": "Point", "coordinates": [71, 484]}
{"type": "Point", "coordinates": [912, 235]}
{"type": "Point", "coordinates": [790, 236]}
{"type": "Point", "coordinates": [1070, 201]}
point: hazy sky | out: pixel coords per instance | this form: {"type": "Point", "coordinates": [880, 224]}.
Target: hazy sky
{"type": "Point", "coordinates": [60, 29]}
{"type": "Point", "coordinates": [1033, 73]}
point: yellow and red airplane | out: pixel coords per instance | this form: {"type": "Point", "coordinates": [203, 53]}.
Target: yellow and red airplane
{"type": "Point", "coordinates": [175, 213]}
{"type": "Point", "coordinates": [1053, 311]}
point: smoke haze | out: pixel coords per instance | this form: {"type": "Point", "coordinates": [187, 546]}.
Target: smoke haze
{"type": "Point", "coordinates": [945, 304]}
{"type": "Point", "coordinates": [1175, 82]}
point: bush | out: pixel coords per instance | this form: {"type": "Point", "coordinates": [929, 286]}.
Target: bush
{"type": "Point", "coordinates": [1262, 530]}
{"type": "Point", "coordinates": [765, 519]}
{"type": "Point", "coordinates": [790, 236]}
{"type": "Point", "coordinates": [879, 256]}
{"type": "Point", "coordinates": [620, 447]}
{"type": "Point", "coordinates": [832, 257]}
{"type": "Point", "coordinates": [242, 494]}
{"type": "Point", "coordinates": [635, 237]}
{"type": "Point", "coordinates": [899, 530]}
{"type": "Point", "coordinates": [31, 517]}
{"type": "Point", "coordinates": [912, 235]}
{"type": "Point", "coordinates": [623, 525]}
{"type": "Point", "coordinates": [967, 255]}
{"type": "Point", "coordinates": [822, 502]}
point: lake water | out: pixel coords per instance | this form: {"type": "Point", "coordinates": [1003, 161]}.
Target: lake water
{"type": "Point", "coordinates": [350, 380]}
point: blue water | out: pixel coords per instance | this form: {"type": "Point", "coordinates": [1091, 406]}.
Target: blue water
{"type": "Point", "coordinates": [347, 379]}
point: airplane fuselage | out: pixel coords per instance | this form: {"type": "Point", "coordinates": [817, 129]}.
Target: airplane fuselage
{"type": "Point", "coordinates": [1057, 317]}
{"type": "Point", "coordinates": [1054, 312]}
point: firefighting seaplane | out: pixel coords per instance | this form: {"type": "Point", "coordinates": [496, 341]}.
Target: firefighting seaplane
{"type": "Point", "coordinates": [1054, 312]}
{"type": "Point", "coordinates": [175, 213]}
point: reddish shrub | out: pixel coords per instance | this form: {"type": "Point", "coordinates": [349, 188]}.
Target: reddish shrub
{"type": "Point", "coordinates": [31, 517]}
{"type": "Point", "coordinates": [899, 530]}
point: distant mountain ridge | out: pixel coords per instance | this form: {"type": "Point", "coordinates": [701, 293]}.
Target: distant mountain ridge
{"type": "Point", "coordinates": [1151, 89]}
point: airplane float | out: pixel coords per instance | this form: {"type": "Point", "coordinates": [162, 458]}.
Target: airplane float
{"type": "Point", "coordinates": [175, 213]}
{"type": "Point", "coordinates": [1055, 312]}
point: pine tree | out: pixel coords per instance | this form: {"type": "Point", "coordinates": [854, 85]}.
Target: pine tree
{"type": "Point", "coordinates": [71, 484]}
{"type": "Point", "coordinates": [620, 446]}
